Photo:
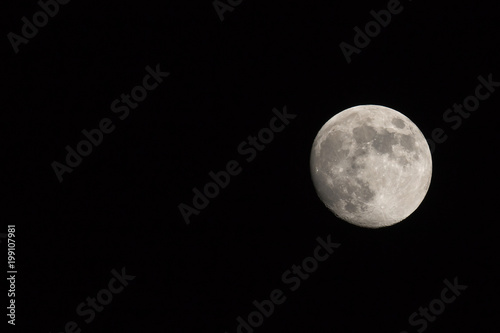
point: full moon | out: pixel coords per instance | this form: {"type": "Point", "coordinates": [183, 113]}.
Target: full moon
{"type": "Point", "coordinates": [371, 166]}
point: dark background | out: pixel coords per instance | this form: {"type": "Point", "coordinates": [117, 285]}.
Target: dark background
{"type": "Point", "coordinates": [119, 208]}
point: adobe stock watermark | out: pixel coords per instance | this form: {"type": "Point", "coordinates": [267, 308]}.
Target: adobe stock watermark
{"type": "Point", "coordinates": [121, 106]}
{"type": "Point", "coordinates": [221, 7]}
{"type": "Point", "coordinates": [436, 307]}
{"type": "Point", "coordinates": [459, 112]}
{"type": "Point", "coordinates": [97, 304]}
{"type": "Point", "coordinates": [40, 19]}
{"type": "Point", "coordinates": [292, 278]}
{"type": "Point", "coordinates": [249, 148]}
{"type": "Point", "coordinates": [362, 39]}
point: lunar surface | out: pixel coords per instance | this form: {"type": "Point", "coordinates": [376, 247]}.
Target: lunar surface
{"type": "Point", "coordinates": [371, 166]}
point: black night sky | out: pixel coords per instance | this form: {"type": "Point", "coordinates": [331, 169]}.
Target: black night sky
{"type": "Point", "coordinates": [118, 210]}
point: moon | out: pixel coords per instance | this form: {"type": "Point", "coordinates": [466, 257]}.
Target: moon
{"type": "Point", "coordinates": [371, 166]}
